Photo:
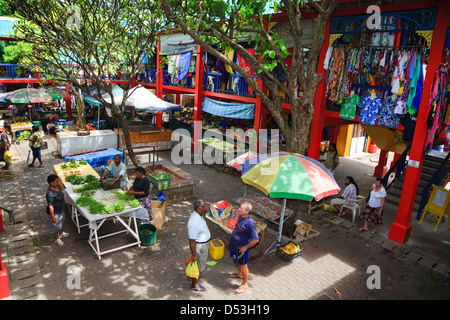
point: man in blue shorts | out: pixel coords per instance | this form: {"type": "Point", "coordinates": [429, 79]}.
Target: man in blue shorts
{"type": "Point", "coordinates": [243, 237]}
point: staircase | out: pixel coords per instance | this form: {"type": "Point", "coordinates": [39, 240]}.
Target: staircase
{"type": "Point", "coordinates": [430, 165]}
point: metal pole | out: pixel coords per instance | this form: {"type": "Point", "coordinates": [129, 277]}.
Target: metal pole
{"type": "Point", "coordinates": [280, 229]}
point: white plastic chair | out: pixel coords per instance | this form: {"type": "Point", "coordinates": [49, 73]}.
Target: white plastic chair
{"type": "Point", "coordinates": [357, 206]}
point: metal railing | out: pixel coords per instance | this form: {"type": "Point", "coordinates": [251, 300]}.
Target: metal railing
{"type": "Point", "coordinates": [437, 178]}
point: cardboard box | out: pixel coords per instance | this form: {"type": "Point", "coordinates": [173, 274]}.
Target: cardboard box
{"type": "Point", "coordinates": [303, 228]}
{"type": "Point", "coordinates": [220, 210]}
{"type": "Point", "coordinates": [159, 213]}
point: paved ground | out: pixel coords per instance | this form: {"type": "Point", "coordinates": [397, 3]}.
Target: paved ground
{"type": "Point", "coordinates": [338, 257]}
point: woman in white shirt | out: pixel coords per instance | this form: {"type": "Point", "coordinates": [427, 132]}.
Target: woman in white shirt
{"type": "Point", "coordinates": [374, 208]}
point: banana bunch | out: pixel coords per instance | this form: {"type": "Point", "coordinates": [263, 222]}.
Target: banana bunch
{"type": "Point", "coordinates": [290, 248]}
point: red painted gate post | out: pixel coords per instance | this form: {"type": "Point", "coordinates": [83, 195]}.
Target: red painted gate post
{"type": "Point", "coordinates": [401, 229]}
{"type": "Point", "coordinates": [4, 285]}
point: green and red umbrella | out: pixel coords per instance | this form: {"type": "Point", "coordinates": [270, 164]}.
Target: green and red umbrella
{"type": "Point", "coordinates": [28, 95]}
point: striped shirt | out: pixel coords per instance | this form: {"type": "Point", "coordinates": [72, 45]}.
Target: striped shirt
{"type": "Point", "coordinates": [350, 193]}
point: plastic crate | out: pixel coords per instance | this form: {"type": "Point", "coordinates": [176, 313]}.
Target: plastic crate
{"type": "Point", "coordinates": [289, 257]}
{"type": "Point", "coordinates": [105, 185]}
{"type": "Point", "coordinates": [161, 180]}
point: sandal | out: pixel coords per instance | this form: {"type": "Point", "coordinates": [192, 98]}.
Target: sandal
{"type": "Point", "coordinates": [235, 275]}
{"type": "Point", "coordinates": [59, 242]}
{"type": "Point", "coordinates": [41, 166]}
{"type": "Point", "coordinates": [241, 289]}
{"type": "Point", "coordinates": [31, 165]}
{"type": "Point", "coordinates": [64, 235]}
{"type": "Point", "coordinates": [373, 232]}
{"type": "Point", "coordinates": [362, 229]}
{"type": "Point", "coordinates": [198, 288]}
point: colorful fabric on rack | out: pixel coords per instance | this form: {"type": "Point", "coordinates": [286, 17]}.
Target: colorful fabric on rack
{"type": "Point", "coordinates": [387, 117]}
{"type": "Point", "coordinates": [398, 74]}
{"type": "Point", "coordinates": [369, 110]}
{"type": "Point", "coordinates": [400, 107]}
{"type": "Point", "coordinates": [436, 103]}
{"type": "Point", "coordinates": [414, 84]}
{"type": "Point", "coordinates": [348, 110]}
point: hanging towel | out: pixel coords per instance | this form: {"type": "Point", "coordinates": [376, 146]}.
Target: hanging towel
{"type": "Point", "coordinates": [229, 53]}
{"type": "Point", "coordinates": [183, 64]}
{"type": "Point", "coordinates": [244, 63]}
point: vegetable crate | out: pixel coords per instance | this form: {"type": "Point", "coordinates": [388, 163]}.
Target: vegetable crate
{"type": "Point", "coordinates": [161, 180]}
{"type": "Point", "coordinates": [105, 185]}
{"type": "Point", "coordinates": [284, 252]}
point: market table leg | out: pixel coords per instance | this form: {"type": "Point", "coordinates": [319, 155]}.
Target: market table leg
{"type": "Point", "coordinates": [263, 235]}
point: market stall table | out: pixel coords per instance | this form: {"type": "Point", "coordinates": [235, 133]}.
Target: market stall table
{"type": "Point", "coordinates": [69, 142]}
{"type": "Point", "coordinates": [96, 221]}
{"type": "Point", "coordinates": [16, 128]}
{"type": "Point", "coordinates": [223, 224]}
{"type": "Point", "coordinates": [266, 209]}
{"type": "Point", "coordinates": [81, 170]}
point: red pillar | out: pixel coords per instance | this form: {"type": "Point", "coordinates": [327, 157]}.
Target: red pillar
{"type": "Point", "coordinates": [381, 169]}
{"type": "Point", "coordinates": [198, 100]}
{"type": "Point", "coordinates": [319, 102]}
{"type": "Point", "coordinates": [401, 228]}
{"type": "Point", "coordinates": [4, 285]}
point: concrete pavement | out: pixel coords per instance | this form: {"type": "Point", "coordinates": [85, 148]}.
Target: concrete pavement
{"type": "Point", "coordinates": [339, 257]}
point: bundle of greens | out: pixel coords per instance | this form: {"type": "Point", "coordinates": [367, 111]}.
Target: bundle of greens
{"type": "Point", "coordinates": [94, 185]}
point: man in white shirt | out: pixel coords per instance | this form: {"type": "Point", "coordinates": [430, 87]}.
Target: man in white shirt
{"type": "Point", "coordinates": [199, 236]}
{"type": "Point", "coordinates": [119, 170]}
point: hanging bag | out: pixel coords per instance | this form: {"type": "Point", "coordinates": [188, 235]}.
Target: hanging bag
{"type": "Point", "coordinates": [192, 270]}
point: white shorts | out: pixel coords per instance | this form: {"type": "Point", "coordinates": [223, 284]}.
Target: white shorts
{"type": "Point", "coordinates": [338, 201]}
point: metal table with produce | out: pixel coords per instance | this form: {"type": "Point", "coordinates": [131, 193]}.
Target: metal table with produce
{"type": "Point", "coordinates": [90, 201]}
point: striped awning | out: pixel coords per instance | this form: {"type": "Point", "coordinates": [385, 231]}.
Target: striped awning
{"type": "Point", "coordinates": [229, 110]}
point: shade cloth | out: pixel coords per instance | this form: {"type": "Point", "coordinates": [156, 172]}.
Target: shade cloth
{"type": "Point", "coordinates": [229, 110]}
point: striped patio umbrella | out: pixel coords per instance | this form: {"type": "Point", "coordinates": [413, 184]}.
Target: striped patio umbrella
{"type": "Point", "coordinates": [288, 176]}
{"type": "Point", "coordinates": [28, 95]}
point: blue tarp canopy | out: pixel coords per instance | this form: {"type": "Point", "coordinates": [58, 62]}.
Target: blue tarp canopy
{"type": "Point", "coordinates": [229, 110]}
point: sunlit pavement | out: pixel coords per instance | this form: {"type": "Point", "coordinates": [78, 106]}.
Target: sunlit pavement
{"type": "Point", "coordinates": [339, 259]}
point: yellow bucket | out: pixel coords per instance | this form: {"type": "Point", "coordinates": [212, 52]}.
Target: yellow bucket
{"type": "Point", "coordinates": [216, 249]}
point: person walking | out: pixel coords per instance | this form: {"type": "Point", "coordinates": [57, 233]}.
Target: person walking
{"type": "Point", "coordinates": [119, 170]}
{"type": "Point", "coordinates": [199, 236]}
{"type": "Point", "coordinates": [4, 146]}
{"type": "Point", "coordinates": [332, 158]}
{"type": "Point", "coordinates": [374, 208]}
{"type": "Point", "coordinates": [242, 239]}
{"type": "Point", "coordinates": [140, 191]}
{"type": "Point", "coordinates": [351, 192]}
{"type": "Point", "coordinates": [35, 143]}
{"type": "Point", "coordinates": [56, 209]}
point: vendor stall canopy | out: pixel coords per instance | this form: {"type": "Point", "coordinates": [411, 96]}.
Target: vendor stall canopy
{"type": "Point", "coordinates": [229, 110]}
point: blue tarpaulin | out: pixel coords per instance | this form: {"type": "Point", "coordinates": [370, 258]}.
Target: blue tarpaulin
{"type": "Point", "coordinates": [98, 158]}
{"type": "Point", "coordinates": [229, 110]}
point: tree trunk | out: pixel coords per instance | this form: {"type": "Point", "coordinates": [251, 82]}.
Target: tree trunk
{"type": "Point", "coordinates": [126, 134]}
{"type": "Point", "coordinates": [81, 111]}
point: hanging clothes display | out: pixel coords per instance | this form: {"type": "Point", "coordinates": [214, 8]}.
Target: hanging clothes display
{"type": "Point", "coordinates": [387, 117]}
{"type": "Point", "coordinates": [434, 113]}
{"type": "Point", "coordinates": [370, 106]}
{"type": "Point", "coordinates": [348, 110]}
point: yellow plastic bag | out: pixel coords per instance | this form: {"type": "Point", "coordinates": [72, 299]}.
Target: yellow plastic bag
{"type": "Point", "coordinates": [8, 156]}
{"type": "Point", "coordinates": [192, 270]}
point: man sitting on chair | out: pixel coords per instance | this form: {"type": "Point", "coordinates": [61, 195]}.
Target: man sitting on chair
{"type": "Point", "coordinates": [350, 193]}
